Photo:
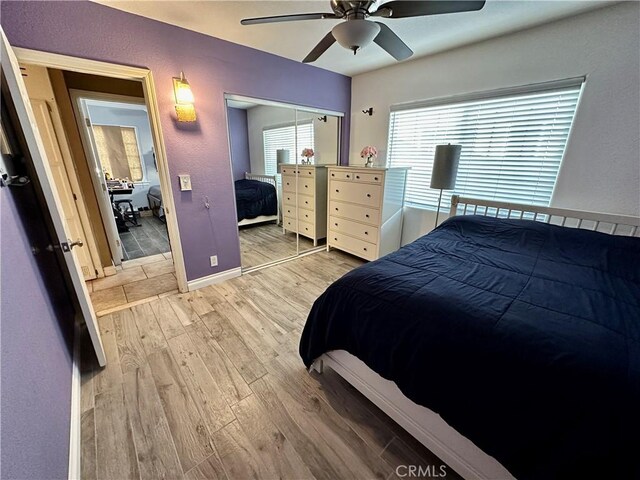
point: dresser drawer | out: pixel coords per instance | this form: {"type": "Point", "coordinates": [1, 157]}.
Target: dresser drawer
{"type": "Point", "coordinates": [304, 201]}
{"type": "Point", "coordinates": [368, 233]}
{"type": "Point", "coordinates": [301, 171]}
{"type": "Point", "coordinates": [304, 228]}
{"type": "Point", "coordinates": [340, 175]}
{"type": "Point", "coordinates": [360, 193]}
{"type": "Point", "coordinates": [367, 177]}
{"type": "Point", "coordinates": [355, 212]}
{"type": "Point", "coordinates": [305, 214]}
{"type": "Point", "coordinates": [358, 247]}
{"type": "Point", "coordinates": [306, 186]}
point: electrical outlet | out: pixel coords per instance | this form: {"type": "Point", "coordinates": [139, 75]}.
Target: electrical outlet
{"type": "Point", "coordinates": [214, 260]}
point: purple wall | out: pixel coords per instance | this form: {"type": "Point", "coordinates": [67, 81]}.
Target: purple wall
{"type": "Point", "coordinates": [35, 353]}
{"type": "Point", "coordinates": [212, 67]}
{"type": "Point", "coordinates": [239, 140]}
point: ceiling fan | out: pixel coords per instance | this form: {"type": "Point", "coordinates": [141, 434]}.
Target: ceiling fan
{"type": "Point", "coordinates": [358, 31]}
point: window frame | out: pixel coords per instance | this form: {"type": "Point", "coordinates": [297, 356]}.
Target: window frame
{"type": "Point", "coordinates": [497, 94]}
{"type": "Point", "coordinates": [279, 126]}
{"type": "Point", "coordinates": [143, 167]}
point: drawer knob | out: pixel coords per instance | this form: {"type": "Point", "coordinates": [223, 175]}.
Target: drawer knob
{"type": "Point", "coordinates": [307, 202]}
{"type": "Point", "coordinates": [335, 239]}
{"type": "Point", "coordinates": [357, 176]}
{"type": "Point", "coordinates": [368, 195]}
{"type": "Point", "coordinates": [306, 228]}
{"type": "Point", "coordinates": [375, 178]}
{"type": "Point", "coordinates": [306, 186]}
{"type": "Point", "coordinates": [336, 209]}
{"type": "Point", "coordinates": [366, 215]}
{"type": "Point", "coordinates": [365, 249]}
{"type": "Point", "coordinates": [366, 233]}
{"type": "Point", "coordinates": [336, 224]}
{"type": "Point", "coordinates": [333, 174]}
{"type": "Point", "coordinates": [337, 191]}
{"type": "Point", "coordinates": [309, 173]}
{"type": "Point", "coordinates": [348, 176]}
{"type": "Point", "coordinates": [287, 183]}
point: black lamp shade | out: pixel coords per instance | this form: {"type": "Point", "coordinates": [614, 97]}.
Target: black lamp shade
{"type": "Point", "coordinates": [445, 166]}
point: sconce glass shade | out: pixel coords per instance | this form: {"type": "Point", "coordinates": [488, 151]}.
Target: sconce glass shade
{"type": "Point", "coordinates": [182, 90]}
{"type": "Point", "coordinates": [445, 167]}
{"type": "Point", "coordinates": [355, 34]}
{"type": "Point", "coordinates": [185, 110]}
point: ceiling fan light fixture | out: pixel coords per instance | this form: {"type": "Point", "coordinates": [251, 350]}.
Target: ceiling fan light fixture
{"type": "Point", "coordinates": [355, 34]}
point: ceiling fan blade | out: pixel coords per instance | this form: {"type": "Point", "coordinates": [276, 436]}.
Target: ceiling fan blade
{"type": "Point", "coordinates": [289, 18]}
{"type": "Point", "coordinates": [320, 48]}
{"type": "Point", "coordinates": [392, 43]}
{"type": "Point", "coordinates": [413, 8]}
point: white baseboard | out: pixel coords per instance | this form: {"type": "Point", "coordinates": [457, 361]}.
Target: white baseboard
{"type": "Point", "coordinates": [213, 279]}
{"type": "Point", "coordinates": [76, 413]}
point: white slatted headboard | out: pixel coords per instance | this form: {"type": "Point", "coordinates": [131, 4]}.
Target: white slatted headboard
{"type": "Point", "coordinates": [625, 225]}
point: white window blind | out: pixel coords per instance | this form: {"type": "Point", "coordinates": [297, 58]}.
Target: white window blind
{"type": "Point", "coordinates": [284, 137]}
{"type": "Point", "coordinates": [512, 143]}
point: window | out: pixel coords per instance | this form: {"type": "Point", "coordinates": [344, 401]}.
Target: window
{"type": "Point", "coordinates": [284, 137]}
{"type": "Point", "coordinates": [118, 151]}
{"type": "Point", "coordinates": [512, 142]}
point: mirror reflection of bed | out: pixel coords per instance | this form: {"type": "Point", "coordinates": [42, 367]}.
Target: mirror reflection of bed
{"type": "Point", "coordinates": [265, 139]}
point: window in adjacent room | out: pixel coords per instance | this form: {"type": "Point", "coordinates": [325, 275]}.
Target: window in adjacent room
{"type": "Point", "coordinates": [118, 151]}
{"type": "Point", "coordinates": [284, 137]}
{"type": "Point", "coordinates": [512, 142]}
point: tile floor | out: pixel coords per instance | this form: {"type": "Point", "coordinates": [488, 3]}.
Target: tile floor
{"type": "Point", "coordinates": [150, 238]}
{"type": "Point", "coordinates": [137, 281]}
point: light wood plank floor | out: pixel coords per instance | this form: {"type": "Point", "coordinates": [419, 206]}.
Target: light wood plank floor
{"type": "Point", "coordinates": [264, 243]}
{"type": "Point", "coordinates": [209, 385]}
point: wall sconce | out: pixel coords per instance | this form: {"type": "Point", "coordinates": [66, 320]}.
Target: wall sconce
{"type": "Point", "coordinates": [185, 109]}
{"type": "Point", "coordinates": [368, 111]}
{"type": "Point", "coordinates": [323, 119]}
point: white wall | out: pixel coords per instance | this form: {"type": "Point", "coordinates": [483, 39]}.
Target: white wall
{"type": "Point", "coordinates": [131, 117]}
{"type": "Point", "coordinates": [601, 168]}
{"type": "Point", "coordinates": [263, 116]}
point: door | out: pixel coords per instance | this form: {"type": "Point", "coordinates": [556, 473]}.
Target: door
{"type": "Point", "coordinates": [99, 182]}
{"type": "Point", "coordinates": [28, 124]}
{"type": "Point", "coordinates": [68, 198]}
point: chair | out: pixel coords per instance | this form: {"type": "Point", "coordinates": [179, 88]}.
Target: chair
{"type": "Point", "coordinates": [129, 213]}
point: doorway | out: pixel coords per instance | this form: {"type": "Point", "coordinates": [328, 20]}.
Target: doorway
{"type": "Point", "coordinates": [122, 195]}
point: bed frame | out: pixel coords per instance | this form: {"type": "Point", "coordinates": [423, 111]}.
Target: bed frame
{"type": "Point", "coordinates": [426, 426]}
{"type": "Point", "coordinates": [273, 180]}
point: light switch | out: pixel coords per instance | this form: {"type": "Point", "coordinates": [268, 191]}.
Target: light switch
{"type": "Point", "coordinates": [185, 182]}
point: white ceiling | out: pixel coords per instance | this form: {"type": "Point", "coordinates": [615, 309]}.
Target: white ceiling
{"type": "Point", "coordinates": [425, 35]}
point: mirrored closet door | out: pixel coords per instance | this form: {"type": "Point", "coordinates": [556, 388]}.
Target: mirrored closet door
{"type": "Point", "coordinates": [279, 154]}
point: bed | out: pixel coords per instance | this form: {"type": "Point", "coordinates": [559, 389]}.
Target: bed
{"type": "Point", "coordinates": [505, 342]}
{"type": "Point", "coordinates": [257, 199]}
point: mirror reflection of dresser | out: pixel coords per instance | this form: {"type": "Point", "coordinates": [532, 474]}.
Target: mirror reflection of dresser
{"type": "Point", "coordinates": [280, 199]}
{"type": "Point", "coordinates": [304, 200]}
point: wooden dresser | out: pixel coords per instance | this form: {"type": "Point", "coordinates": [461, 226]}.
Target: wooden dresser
{"type": "Point", "coordinates": [311, 200]}
{"type": "Point", "coordinates": [365, 210]}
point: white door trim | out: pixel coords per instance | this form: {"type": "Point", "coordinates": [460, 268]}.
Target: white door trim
{"type": "Point", "coordinates": [26, 120]}
{"type": "Point", "coordinates": [94, 67]}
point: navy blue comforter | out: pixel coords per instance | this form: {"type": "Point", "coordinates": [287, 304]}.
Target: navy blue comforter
{"type": "Point", "coordinates": [254, 198]}
{"type": "Point", "coordinates": [525, 337]}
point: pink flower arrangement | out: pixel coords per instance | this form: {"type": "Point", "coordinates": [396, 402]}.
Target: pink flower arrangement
{"type": "Point", "coordinates": [307, 152]}
{"type": "Point", "coordinates": [369, 152]}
